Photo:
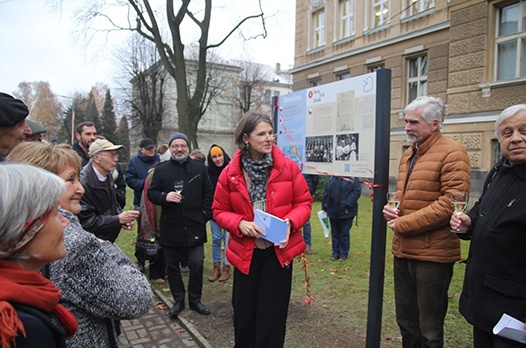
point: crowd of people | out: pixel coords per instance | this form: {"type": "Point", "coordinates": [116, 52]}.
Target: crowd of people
{"type": "Point", "coordinates": [65, 283]}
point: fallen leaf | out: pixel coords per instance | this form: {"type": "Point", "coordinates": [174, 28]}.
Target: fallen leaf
{"type": "Point", "coordinates": [180, 331]}
{"type": "Point", "coordinates": [165, 289]}
{"type": "Point", "coordinates": [452, 295]}
{"type": "Point", "coordinates": [388, 337]}
{"type": "Point", "coordinates": [161, 306]}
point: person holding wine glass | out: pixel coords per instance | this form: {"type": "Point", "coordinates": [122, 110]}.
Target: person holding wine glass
{"type": "Point", "coordinates": [495, 278]}
{"type": "Point", "coordinates": [424, 249]}
{"type": "Point", "coordinates": [459, 201]}
{"type": "Point", "coordinates": [183, 221]}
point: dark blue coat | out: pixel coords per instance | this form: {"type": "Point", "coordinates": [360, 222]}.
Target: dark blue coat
{"type": "Point", "coordinates": [136, 173]}
{"type": "Point", "coordinates": [40, 329]}
{"type": "Point", "coordinates": [340, 199]}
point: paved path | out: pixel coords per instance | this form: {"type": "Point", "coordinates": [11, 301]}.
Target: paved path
{"type": "Point", "coordinates": [156, 329]}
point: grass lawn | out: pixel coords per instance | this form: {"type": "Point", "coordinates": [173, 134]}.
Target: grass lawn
{"type": "Point", "coordinates": [340, 291]}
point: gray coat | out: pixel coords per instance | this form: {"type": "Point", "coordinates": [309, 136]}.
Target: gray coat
{"type": "Point", "coordinates": [99, 286]}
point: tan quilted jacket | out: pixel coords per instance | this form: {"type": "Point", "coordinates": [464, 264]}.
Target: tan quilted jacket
{"type": "Point", "coordinates": [423, 231]}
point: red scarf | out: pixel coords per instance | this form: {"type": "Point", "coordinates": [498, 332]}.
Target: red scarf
{"type": "Point", "coordinates": [31, 289]}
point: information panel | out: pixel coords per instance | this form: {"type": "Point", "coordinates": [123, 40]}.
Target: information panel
{"type": "Point", "coordinates": [331, 128]}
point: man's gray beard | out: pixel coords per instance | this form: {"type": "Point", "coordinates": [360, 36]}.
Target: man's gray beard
{"type": "Point", "coordinates": [180, 160]}
{"type": "Point", "coordinates": [411, 139]}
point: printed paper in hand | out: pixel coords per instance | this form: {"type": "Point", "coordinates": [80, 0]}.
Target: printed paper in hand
{"type": "Point", "coordinates": [511, 328]}
{"type": "Point", "coordinates": [275, 228]}
{"type": "Point", "coordinates": [324, 220]}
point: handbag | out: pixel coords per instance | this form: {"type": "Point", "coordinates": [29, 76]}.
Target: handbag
{"type": "Point", "coordinates": [147, 248]}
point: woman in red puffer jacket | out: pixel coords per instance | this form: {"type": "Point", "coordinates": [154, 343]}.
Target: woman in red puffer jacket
{"type": "Point", "coordinates": [259, 176]}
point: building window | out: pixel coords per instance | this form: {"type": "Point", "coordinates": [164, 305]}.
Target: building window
{"type": "Point", "coordinates": [267, 96]}
{"type": "Point", "coordinates": [416, 77]}
{"type": "Point", "coordinates": [379, 12]}
{"type": "Point", "coordinates": [343, 76]}
{"type": "Point", "coordinates": [275, 93]}
{"type": "Point", "coordinates": [496, 153]}
{"type": "Point", "coordinates": [376, 67]}
{"type": "Point", "coordinates": [318, 20]}
{"type": "Point", "coordinates": [413, 7]}
{"type": "Point", "coordinates": [511, 41]}
{"type": "Point", "coordinates": [315, 83]}
{"type": "Point", "coordinates": [346, 18]}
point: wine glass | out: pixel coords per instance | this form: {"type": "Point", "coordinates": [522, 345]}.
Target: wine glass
{"type": "Point", "coordinates": [392, 200]}
{"type": "Point", "coordinates": [459, 200]}
{"type": "Point", "coordinates": [178, 187]}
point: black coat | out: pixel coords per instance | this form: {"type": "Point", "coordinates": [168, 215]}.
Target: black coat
{"type": "Point", "coordinates": [340, 198]}
{"type": "Point", "coordinates": [99, 214]}
{"type": "Point", "coordinates": [40, 330]}
{"type": "Point", "coordinates": [495, 279]}
{"type": "Point", "coordinates": [182, 224]}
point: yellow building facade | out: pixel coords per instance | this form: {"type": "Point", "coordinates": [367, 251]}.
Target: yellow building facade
{"type": "Point", "coordinates": [470, 53]}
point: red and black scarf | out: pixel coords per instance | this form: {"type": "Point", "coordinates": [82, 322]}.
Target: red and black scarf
{"type": "Point", "coordinates": [31, 289]}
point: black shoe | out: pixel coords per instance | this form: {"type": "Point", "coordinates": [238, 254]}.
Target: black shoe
{"type": "Point", "coordinates": [141, 267]}
{"type": "Point", "coordinates": [199, 308]}
{"type": "Point", "coordinates": [176, 309]}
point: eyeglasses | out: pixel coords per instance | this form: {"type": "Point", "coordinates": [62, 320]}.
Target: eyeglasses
{"type": "Point", "coordinates": [175, 147]}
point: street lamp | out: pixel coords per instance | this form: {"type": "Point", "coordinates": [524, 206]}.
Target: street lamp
{"type": "Point", "coordinates": [72, 117]}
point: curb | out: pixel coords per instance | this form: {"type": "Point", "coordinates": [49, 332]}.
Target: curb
{"type": "Point", "coordinates": [198, 338]}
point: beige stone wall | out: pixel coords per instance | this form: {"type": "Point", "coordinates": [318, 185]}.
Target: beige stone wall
{"type": "Point", "coordinates": [460, 58]}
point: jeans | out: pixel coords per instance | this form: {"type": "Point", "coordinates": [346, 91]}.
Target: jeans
{"type": "Point", "coordinates": [421, 298]}
{"type": "Point", "coordinates": [341, 236]}
{"type": "Point", "coordinates": [307, 233]}
{"type": "Point", "coordinates": [219, 236]}
{"type": "Point", "coordinates": [196, 256]}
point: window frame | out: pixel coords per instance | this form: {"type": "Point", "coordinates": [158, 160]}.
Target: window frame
{"type": "Point", "coordinates": [348, 18]}
{"type": "Point", "coordinates": [416, 79]}
{"type": "Point", "coordinates": [518, 38]}
{"type": "Point", "coordinates": [318, 31]}
{"type": "Point", "coordinates": [343, 75]}
{"type": "Point", "coordinates": [384, 4]}
{"type": "Point", "coordinates": [408, 6]}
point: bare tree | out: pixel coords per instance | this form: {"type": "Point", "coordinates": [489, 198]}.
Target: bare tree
{"type": "Point", "coordinates": [149, 23]}
{"type": "Point", "coordinates": [142, 67]}
{"type": "Point", "coordinates": [251, 84]}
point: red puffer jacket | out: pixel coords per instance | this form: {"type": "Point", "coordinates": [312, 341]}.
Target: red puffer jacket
{"type": "Point", "coordinates": [288, 196]}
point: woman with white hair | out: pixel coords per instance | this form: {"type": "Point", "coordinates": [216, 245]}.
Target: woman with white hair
{"type": "Point", "coordinates": [99, 283]}
{"type": "Point", "coordinates": [31, 236]}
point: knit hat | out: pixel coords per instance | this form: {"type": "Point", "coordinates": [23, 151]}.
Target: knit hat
{"type": "Point", "coordinates": [178, 136]}
{"type": "Point", "coordinates": [12, 110]}
{"type": "Point", "coordinates": [100, 145]}
{"type": "Point", "coordinates": [216, 150]}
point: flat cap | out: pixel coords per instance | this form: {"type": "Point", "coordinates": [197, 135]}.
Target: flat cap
{"type": "Point", "coordinates": [100, 145]}
{"type": "Point", "coordinates": [35, 127]}
{"type": "Point", "coordinates": [146, 143]}
{"type": "Point", "coordinates": [12, 110]}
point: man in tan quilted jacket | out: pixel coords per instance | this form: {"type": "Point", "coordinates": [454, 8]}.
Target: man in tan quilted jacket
{"type": "Point", "coordinates": [424, 249]}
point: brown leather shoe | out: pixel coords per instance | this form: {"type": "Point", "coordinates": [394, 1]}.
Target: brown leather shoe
{"type": "Point", "coordinates": [225, 274]}
{"type": "Point", "coordinates": [215, 273]}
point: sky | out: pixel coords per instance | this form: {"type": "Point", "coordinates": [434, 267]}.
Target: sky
{"type": "Point", "coordinates": [39, 43]}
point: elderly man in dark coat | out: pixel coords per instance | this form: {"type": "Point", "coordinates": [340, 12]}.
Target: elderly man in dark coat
{"type": "Point", "coordinates": [13, 126]}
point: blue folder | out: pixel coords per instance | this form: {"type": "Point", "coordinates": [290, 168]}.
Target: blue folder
{"type": "Point", "coordinates": [275, 228]}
